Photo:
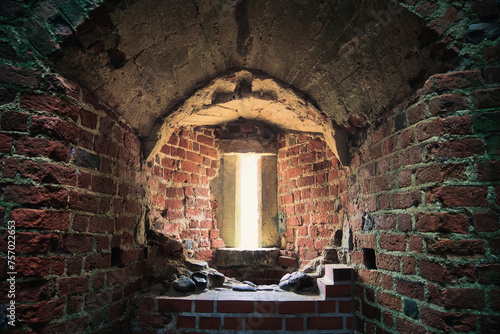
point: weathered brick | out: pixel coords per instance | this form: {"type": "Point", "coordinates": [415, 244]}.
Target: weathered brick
{"type": "Point", "coordinates": [14, 121]}
{"type": "Point", "coordinates": [5, 143]}
{"type": "Point", "coordinates": [388, 300]}
{"type": "Point", "coordinates": [36, 242]}
{"type": "Point", "coordinates": [40, 219]}
{"type": "Point", "coordinates": [385, 222]}
{"type": "Point", "coordinates": [49, 103]}
{"type": "Point", "coordinates": [431, 270]}
{"type": "Point", "coordinates": [393, 242]}
{"type": "Point", "coordinates": [405, 326]}
{"type": "Point", "coordinates": [487, 98]}
{"type": "Point", "coordinates": [440, 173]}
{"type": "Point", "coordinates": [450, 247]}
{"type": "Point", "coordinates": [464, 298]}
{"type": "Point", "coordinates": [36, 266]}
{"type": "Point", "coordinates": [407, 157]}
{"type": "Point", "coordinates": [408, 265]}
{"type": "Point", "coordinates": [88, 119]}
{"type": "Point", "coordinates": [33, 195]}
{"type": "Point", "coordinates": [47, 173]}
{"type": "Point", "coordinates": [34, 147]}
{"type": "Point", "coordinates": [19, 76]}
{"type": "Point", "coordinates": [426, 8]}
{"type": "Point", "coordinates": [365, 241]}
{"type": "Point", "coordinates": [449, 321]}
{"type": "Point", "coordinates": [7, 96]}
{"type": "Point", "coordinates": [485, 221]}
{"type": "Point", "coordinates": [72, 285]}
{"type": "Point", "coordinates": [451, 196]}
{"type": "Point", "coordinates": [405, 199]}
{"type": "Point", "coordinates": [77, 243]}
{"type": "Point", "coordinates": [488, 274]}
{"type": "Point", "coordinates": [10, 168]}
{"type": "Point", "coordinates": [381, 183]}
{"type": "Point", "coordinates": [454, 80]}
{"type": "Point", "coordinates": [387, 261]}
{"type": "Point", "coordinates": [83, 201]}
{"type": "Point", "coordinates": [102, 225]}
{"type": "Point", "coordinates": [442, 222]}
{"type": "Point", "coordinates": [205, 140]}
{"type": "Point", "coordinates": [447, 103]}
{"type": "Point", "coordinates": [208, 151]}
{"type": "Point", "coordinates": [411, 288]}
{"type": "Point", "coordinates": [41, 312]}
{"type": "Point", "coordinates": [416, 113]}
{"type": "Point", "coordinates": [461, 148]}
{"type": "Point", "coordinates": [86, 139]}
{"type": "Point", "coordinates": [306, 181]}
{"type": "Point", "coordinates": [103, 184]}
{"type": "Point", "coordinates": [369, 276]}
{"type": "Point", "coordinates": [459, 273]}
{"type": "Point", "coordinates": [56, 128]}
{"type": "Point", "coordinates": [488, 171]}
{"type": "Point", "coordinates": [324, 206]}
{"type": "Point", "coordinates": [217, 243]}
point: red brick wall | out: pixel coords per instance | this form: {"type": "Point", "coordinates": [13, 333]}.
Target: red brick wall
{"type": "Point", "coordinates": [312, 190]}
{"type": "Point", "coordinates": [426, 179]}
{"type": "Point", "coordinates": [70, 172]}
{"type": "Point", "coordinates": [223, 314]}
{"type": "Point", "coordinates": [425, 198]}
{"type": "Point", "coordinates": [178, 189]}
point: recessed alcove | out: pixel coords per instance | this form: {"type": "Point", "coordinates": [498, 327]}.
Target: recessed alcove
{"type": "Point", "coordinates": [114, 120]}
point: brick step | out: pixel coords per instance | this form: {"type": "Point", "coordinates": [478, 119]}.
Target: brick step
{"type": "Point", "coordinates": [329, 290]}
{"type": "Point", "coordinates": [336, 282]}
{"type": "Point", "coordinates": [269, 311]}
{"type": "Point", "coordinates": [233, 312]}
{"type": "Point", "coordinates": [338, 273]}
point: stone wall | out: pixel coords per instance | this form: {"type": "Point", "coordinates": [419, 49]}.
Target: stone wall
{"type": "Point", "coordinates": [424, 210]}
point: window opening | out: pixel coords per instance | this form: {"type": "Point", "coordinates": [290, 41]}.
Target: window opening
{"type": "Point", "coordinates": [249, 190]}
{"type": "Point", "coordinates": [247, 204]}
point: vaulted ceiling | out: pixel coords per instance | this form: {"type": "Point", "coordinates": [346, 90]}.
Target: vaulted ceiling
{"type": "Point", "coordinates": [351, 59]}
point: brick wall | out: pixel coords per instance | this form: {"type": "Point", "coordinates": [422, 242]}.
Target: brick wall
{"type": "Point", "coordinates": [70, 171]}
{"type": "Point", "coordinates": [242, 313]}
{"type": "Point", "coordinates": [178, 190]}
{"type": "Point", "coordinates": [312, 190]}
{"type": "Point", "coordinates": [424, 210]}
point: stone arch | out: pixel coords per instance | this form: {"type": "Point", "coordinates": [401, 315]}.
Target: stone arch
{"type": "Point", "coordinates": [245, 95]}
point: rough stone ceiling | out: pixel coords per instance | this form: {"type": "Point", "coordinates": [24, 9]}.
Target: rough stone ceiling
{"type": "Point", "coordinates": [350, 57]}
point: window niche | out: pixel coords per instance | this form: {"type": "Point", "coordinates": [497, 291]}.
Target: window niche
{"type": "Point", "coordinates": [246, 187]}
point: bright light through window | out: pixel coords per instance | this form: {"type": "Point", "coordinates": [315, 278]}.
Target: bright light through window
{"type": "Point", "coordinates": [249, 202]}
